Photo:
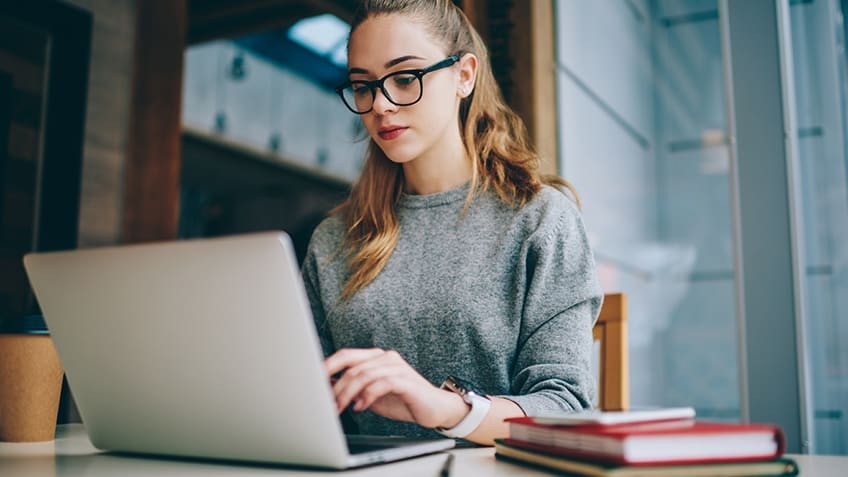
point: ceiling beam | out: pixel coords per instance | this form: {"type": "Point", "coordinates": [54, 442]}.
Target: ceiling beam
{"type": "Point", "coordinates": [216, 19]}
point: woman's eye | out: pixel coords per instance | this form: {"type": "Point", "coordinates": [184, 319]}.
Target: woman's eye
{"type": "Point", "coordinates": [360, 89]}
{"type": "Point", "coordinates": [403, 81]}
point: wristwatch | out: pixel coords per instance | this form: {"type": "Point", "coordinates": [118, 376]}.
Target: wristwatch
{"type": "Point", "coordinates": [477, 400]}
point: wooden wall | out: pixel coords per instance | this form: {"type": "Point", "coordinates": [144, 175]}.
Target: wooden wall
{"type": "Point", "coordinates": [152, 169]}
{"type": "Point", "coordinates": [107, 119]}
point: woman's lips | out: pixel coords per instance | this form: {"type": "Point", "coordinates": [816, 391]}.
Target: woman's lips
{"type": "Point", "coordinates": [391, 132]}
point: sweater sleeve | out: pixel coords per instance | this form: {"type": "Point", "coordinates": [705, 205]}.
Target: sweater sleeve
{"type": "Point", "coordinates": [552, 370]}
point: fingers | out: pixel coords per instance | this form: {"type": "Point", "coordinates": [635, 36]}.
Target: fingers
{"type": "Point", "coordinates": [372, 392]}
{"type": "Point", "coordinates": [380, 368]}
{"type": "Point", "coordinates": [374, 375]}
{"type": "Point", "coordinates": [349, 357]}
{"type": "Point", "coordinates": [383, 382]}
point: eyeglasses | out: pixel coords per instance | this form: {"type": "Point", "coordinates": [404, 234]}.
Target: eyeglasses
{"type": "Point", "coordinates": [401, 88]}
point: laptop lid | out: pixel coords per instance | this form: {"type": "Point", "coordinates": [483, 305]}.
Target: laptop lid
{"type": "Point", "coordinates": [202, 348]}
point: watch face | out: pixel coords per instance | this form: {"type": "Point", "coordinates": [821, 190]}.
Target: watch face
{"type": "Point", "coordinates": [462, 386]}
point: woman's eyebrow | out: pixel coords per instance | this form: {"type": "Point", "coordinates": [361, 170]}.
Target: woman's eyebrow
{"type": "Point", "coordinates": [388, 64]}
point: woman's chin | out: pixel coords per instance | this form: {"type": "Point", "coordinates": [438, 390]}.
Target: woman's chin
{"type": "Point", "coordinates": [398, 155]}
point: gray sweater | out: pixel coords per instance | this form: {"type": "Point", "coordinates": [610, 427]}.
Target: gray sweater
{"type": "Point", "coordinates": [503, 297]}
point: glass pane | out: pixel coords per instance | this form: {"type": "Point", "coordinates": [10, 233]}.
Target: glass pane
{"type": "Point", "coordinates": [642, 137]}
{"type": "Point", "coordinates": [818, 46]}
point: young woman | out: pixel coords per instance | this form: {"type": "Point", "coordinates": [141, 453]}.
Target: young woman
{"type": "Point", "coordinates": [455, 287]}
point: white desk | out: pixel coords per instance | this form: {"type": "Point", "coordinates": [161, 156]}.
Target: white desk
{"type": "Point", "coordinates": [73, 455]}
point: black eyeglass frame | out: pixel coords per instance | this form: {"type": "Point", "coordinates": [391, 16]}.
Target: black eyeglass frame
{"type": "Point", "coordinates": [373, 85]}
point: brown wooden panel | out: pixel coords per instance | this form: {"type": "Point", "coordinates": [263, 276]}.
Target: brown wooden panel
{"type": "Point", "coordinates": [611, 331]}
{"type": "Point", "coordinates": [152, 170]}
{"type": "Point", "coordinates": [534, 90]}
{"type": "Point", "coordinates": [520, 38]}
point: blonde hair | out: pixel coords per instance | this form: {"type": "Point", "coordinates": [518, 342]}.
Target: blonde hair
{"type": "Point", "coordinates": [494, 137]}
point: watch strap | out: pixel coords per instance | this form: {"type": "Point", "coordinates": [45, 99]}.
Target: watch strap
{"type": "Point", "coordinates": [479, 408]}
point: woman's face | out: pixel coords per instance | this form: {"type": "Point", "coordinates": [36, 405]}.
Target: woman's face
{"type": "Point", "coordinates": [384, 44]}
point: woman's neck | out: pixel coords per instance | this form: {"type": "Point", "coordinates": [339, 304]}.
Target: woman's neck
{"type": "Point", "coordinates": [438, 171]}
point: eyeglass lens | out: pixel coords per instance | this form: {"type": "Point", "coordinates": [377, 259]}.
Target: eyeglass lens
{"type": "Point", "coordinates": [401, 88]}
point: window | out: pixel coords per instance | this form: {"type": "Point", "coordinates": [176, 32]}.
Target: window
{"type": "Point", "coordinates": [644, 130]}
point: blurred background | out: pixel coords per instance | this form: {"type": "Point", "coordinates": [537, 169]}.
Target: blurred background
{"type": "Point", "coordinates": [215, 117]}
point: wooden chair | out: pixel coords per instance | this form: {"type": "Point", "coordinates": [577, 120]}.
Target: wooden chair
{"type": "Point", "coordinates": [611, 331]}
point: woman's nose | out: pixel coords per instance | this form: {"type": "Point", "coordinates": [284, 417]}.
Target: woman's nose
{"type": "Point", "coordinates": [381, 102]}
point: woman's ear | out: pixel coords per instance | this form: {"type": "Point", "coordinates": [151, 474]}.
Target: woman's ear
{"type": "Point", "coordinates": [467, 75]}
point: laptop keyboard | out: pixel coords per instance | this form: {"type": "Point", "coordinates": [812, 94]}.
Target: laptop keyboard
{"type": "Point", "coordinates": [362, 448]}
{"type": "Point", "coordinates": [360, 444]}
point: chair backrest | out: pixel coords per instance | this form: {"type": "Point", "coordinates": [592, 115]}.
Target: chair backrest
{"type": "Point", "coordinates": [611, 331]}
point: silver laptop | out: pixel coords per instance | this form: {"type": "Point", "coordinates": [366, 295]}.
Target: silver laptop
{"type": "Point", "coordinates": [199, 348]}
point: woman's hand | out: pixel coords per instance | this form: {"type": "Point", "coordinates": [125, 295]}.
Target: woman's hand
{"type": "Point", "coordinates": [384, 383]}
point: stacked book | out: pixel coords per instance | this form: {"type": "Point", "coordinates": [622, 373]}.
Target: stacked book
{"type": "Point", "coordinates": [659, 442]}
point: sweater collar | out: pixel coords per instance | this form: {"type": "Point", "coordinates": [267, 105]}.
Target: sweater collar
{"type": "Point", "coordinates": [412, 201]}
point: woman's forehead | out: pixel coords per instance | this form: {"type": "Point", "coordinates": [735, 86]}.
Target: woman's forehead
{"type": "Point", "coordinates": [382, 38]}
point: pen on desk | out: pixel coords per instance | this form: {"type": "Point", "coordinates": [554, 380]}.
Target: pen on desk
{"type": "Point", "coordinates": [446, 467]}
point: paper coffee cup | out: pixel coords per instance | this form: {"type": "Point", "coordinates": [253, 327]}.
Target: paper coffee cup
{"type": "Point", "coordinates": [30, 387]}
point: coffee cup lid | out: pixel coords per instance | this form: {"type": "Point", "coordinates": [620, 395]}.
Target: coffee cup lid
{"type": "Point", "coordinates": [27, 325]}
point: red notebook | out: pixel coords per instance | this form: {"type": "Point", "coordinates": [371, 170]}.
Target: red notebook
{"type": "Point", "coordinates": [652, 443]}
